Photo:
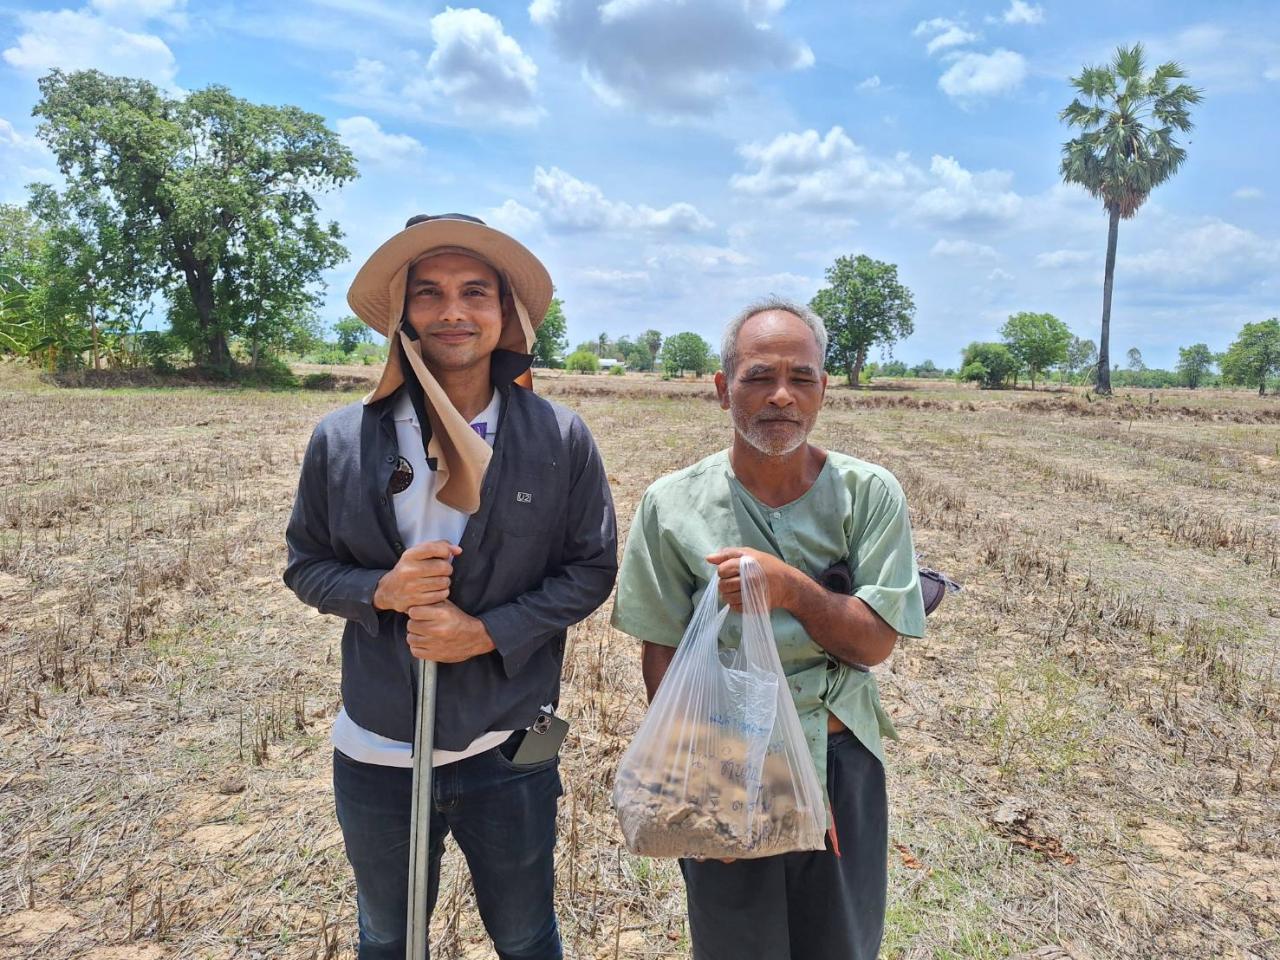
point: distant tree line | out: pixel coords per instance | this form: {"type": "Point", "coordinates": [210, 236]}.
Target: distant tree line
{"type": "Point", "coordinates": [674, 356]}
{"type": "Point", "coordinates": [1039, 346]}
{"type": "Point", "coordinates": [641, 354]}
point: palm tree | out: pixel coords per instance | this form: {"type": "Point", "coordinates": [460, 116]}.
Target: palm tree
{"type": "Point", "coordinates": [1125, 149]}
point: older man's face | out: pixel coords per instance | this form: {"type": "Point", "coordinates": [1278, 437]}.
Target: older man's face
{"type": "Point", "coordinates": [454, 303]}
{"type": "Point", "coordinates": [778, 385]}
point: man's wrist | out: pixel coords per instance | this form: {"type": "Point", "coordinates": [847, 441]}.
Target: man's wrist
{"type": "Point", "coordinates": [480, 636]}
{"type": "Point", "coordinates": [794, 590]}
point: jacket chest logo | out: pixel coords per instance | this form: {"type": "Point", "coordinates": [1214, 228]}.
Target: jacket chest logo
{"type": "Point", "coordinates": [401, 476]}
{"type": "Point", "coordinates": [522, 497]}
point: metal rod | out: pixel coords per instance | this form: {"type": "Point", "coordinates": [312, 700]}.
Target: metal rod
{"type": "Point", "coordinates": [420, 818]}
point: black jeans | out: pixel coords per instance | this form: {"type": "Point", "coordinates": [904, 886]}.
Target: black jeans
{"type": "Point", "coordinates": [504, 820]}
{"type": "Point", "coordinates": [808, 905]}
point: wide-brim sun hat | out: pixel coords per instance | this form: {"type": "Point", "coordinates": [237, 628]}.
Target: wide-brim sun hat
{"type": "Point", "coordinates": [377, 295]}
{"type": "Point", "coordinates": [377, 292]}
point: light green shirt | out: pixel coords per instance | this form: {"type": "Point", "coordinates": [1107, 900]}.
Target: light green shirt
{"type": "Point", "coordinates": [854, 511]}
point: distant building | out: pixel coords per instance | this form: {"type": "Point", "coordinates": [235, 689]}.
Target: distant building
{"type": "Point", "coordinates": [608, 363]}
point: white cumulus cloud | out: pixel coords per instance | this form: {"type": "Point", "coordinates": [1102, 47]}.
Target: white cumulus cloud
{"type": "Point", "coordinates": [1210, 252]}
{"type": "Point", "coordinates": [620, 281]}
{"type": "Point", "coordinates": [172, 12]}
{"type": "Point", "coordinates": [702, 258]}
{"type": "Point", "coordinates": [11, 137]}
{"type": "Point", "coordinates": [964, 250]}
{"type": "Point", "coordinates": [671, 58]}
{"type": "Point", "coordinates": [477, 65]}
{"type": "Point", "coordinates": [24, 159]}
{"type": "Point", "coordinates": [475, 73]}
{"type": "Point", "coordinates": [514, 218]}
{"type": "Point", "coordinates": [1248, 193]}
{"type": "Point", "coordinates": [812, 171]}
{"type": "Point", "coordinates": [943, 33]}
{"type": "Point", "coordinates": [973, 75]}
{"type": "Point", "coordinates": [1022, 12]}
{"type": "Point", "coordinates": [1057, 259]}
{"type": "Point", "coordinates": [85, 39]}
{"type": "Point", "coordinates": [370, 143]}
{"type": "Point", "coordinates": [959, 194]}
{"type": "Point", "coordinates": [570, 204]}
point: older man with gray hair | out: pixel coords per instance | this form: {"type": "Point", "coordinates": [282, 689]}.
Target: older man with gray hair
{"type": "Point", "coordinates": [833, 537]}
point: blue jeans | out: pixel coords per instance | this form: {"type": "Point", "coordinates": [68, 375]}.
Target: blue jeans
{"type": "Point", "coordinates": [503, 818]}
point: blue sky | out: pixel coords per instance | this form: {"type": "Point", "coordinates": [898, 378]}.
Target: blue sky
{"type": "Point", "coordinates": [671, 161]}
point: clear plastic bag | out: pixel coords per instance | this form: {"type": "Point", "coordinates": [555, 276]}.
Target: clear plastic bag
{"type": "Point", "coordinates": [720, 766]}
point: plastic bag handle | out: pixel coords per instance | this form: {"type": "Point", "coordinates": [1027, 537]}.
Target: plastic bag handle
{"type": "Point", "coordinates": [704, 644]}
{"type": "Point", "coordinates": [758, 648]}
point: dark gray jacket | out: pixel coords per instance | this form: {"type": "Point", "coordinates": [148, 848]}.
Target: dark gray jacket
{"type": "Point", "coordinates": [538, 556]}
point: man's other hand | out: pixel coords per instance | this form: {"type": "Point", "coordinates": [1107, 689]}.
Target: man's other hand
{"type": "Point", "coordinates": [443, 633]}
{"type": "Point", "coordinates": [779, 576]}
{"type": "Point", "coordinates": [419, 578]}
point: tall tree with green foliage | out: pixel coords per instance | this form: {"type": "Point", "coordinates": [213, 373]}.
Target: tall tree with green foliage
{"type": "Point", "coordinates": [95, 282]}
{"type": "Point", "coordinates": [1254, 357]}
{"type": "Point", "coordinates": [68, 284]}
{"type": "Point", "coordinates": [1037, 341]}
{"type": "Point", "coordinates": [1125, 150]}
{"type": "Point", "coordinates": [216, 191]}
{"type": "Point", "coordinates": [551, 340]}
{"type": "Point", "coordinates": [862, 305]}
{"type": "Point", "coordinates": [1081, 354]}
{"type": "Point", "coordinates": [23, 242]}
{"type": "Point", "coordinates": [990, 365]}
{"type": "Point", "coordinates": [652, 339]}
{"type": "Point", "coordinates": [638, 358]}
{"type": "Point", "coordinates": [1134, 360]}
{"type": "Point", "coordinates": [1194, 364]}
{"type": "Point", "coordinates": [351, 331]}
{"type": "Point", "coordinates": [582, 361]}
{"type": "Point", "coordinates": [686, 351]}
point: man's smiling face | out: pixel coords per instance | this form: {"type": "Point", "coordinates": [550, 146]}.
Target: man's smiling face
{"type": "Point", "coordinates": [454, 303]}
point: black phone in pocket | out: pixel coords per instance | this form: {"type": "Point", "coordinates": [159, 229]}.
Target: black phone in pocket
{"type": "Point", "coordinates": [541, 741]}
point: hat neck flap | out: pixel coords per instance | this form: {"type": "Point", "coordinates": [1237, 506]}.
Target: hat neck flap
{"type": "Point", "coordinates": [461, 456]}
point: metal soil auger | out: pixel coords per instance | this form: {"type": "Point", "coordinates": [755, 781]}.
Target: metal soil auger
{"type": "Point", "coordinates": [420, 812]}
{"type": "Point", "coordinates": [420, 817]}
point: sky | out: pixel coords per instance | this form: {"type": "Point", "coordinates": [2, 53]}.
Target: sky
{"type": "Point", "coordinates": [672, 160]}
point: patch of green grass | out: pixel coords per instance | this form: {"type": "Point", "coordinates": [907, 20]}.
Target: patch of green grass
{"type": "Point", "coordinates": [162, 642]}
{"type": "Point", "coordinates": [1038, 722]}
{"type": "Point", "coordinates": [944, 912]}
{"type": "Point", "coordinates": [193, 758]}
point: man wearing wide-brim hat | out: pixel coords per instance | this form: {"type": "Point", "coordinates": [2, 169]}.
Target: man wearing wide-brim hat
{"type": "Point", "coordinates": [454, 517]}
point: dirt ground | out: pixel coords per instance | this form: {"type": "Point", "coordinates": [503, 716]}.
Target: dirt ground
{"type": "Point", "coordinates": [1088, 758]}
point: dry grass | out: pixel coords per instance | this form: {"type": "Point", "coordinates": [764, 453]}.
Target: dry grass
{"type": "Point", "coordinates": [1088, 757]}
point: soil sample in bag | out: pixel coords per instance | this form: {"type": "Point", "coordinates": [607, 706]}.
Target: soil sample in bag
{"type": "Point", "coordinates": [720, 766]}
{"type": "Point", "coordinates": [721, 804]}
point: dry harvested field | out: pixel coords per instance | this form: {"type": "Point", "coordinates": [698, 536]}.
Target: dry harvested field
{"type": "Point", "coordinates": [1088, 756]}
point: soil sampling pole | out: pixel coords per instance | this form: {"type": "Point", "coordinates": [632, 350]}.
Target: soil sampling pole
{"type": "Point", "coordinates": [420, 818]}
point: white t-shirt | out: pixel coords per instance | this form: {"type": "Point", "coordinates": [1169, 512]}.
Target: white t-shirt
{"type": "Point", "coordinates": [419, 517]}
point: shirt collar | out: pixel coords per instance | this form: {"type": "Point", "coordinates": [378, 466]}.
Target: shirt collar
{"type": "Point", "coordinates": [403, 412]}
{"type": "Point", "coordinates": [403, 409]}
